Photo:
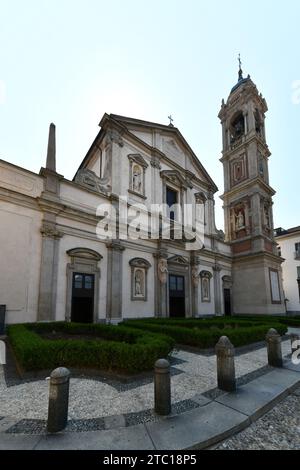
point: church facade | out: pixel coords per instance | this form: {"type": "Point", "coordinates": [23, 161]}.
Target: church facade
{"type": "Point", "coordinates": [111, 244]}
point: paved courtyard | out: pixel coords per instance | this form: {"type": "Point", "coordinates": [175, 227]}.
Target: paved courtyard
{"type": "Point", "coordinates": [93, 398]}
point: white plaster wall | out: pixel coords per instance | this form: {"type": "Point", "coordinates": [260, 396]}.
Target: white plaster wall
{"type": "Point", "coordinates": [20, 255]}
{"type": "Point", "coordinates": [289, 270]}
{"type": "Point", "coordinates": [145, 136]}
{"type": "Point", "coordinates": [67, 243]}
{"type": "Point", "coordinates": [79, 198]}
{"type": "Point", "coordinates": [94, 164]}
{"type": "Point", "coordinates": [137, 308]}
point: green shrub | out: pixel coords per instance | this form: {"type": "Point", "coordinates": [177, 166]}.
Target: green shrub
{"type": "Point", "coordinates": [285, 320]}
{"type": "Point", "coordinates": [121, 349]}
{"type": "Point", "coordinates": [206, 333]}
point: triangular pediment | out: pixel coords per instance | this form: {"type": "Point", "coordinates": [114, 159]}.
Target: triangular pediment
{"type": "Point", "coordinates": [178, 259]}
{"type": "Point", "coordinates": [174, 176]}
{"type": "Point", "coordinates": [137, 158]}
{"type": "Point", "coordinates": [172, 149]}
{"type": "Point", "coordinates": [165, 139]}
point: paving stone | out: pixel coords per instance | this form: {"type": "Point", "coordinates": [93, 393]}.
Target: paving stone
{"type": "Point", "coordinates": [196, 429]}
{"type": "Point", "coordinates": [289, 365]}
{"type": "Point", "coordinates": [18, 441]}
{"type": "Point", "coordinates": [113, 422]}
{"type": "Point", "coordinates": [259, 396]}
{"type": "Point", "coordinates": [132, 438]}
{"type": "Point", "coordinates": [201, 400]}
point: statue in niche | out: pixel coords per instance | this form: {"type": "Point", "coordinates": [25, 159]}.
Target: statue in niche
{"type": "Point", "coordinates": [205, 288]}
{"type": "Point", "coordinates": [267, 217]}
{"type": "Point", "coordinates": [240, 220]}
{"type": "Point", "coordinates": [139, 283]}
{"type": "Point", "coordinates": [163, 270]}
{"type": "Point", "coordinates": [137, 179]}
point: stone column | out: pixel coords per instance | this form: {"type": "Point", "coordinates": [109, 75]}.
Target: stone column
{"type": "Point", "coordinates": [114, 281]}
{"type": "Point", "coordinates": [217, 289]}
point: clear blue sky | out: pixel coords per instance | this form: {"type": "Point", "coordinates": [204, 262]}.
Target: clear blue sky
{"type": "Point", "coordinates": [69, 61]}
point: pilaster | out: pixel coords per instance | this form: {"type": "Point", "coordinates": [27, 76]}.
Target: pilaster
{"type": "Point", "coordinates": [114, 281]}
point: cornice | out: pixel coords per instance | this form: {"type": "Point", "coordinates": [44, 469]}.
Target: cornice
{"type": "Point", "coordinates": [245, 143]}
{"type": "Point", "coordinates": [246, 185]}
{"type": "Point", "coordinates": [8, 195]}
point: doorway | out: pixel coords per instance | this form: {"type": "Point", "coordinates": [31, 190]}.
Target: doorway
{"type": "Point", "coordinates": [83, 286]}
{"type": "Point", "coordinates": [176, 296]}
{"type": "Point", "coordinates": [227, 302]}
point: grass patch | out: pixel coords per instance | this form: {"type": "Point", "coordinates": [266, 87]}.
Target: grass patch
{"type": "Point", "coordinates": [121, 349]}
{"type": "Point", "coordinates": [206, 333]}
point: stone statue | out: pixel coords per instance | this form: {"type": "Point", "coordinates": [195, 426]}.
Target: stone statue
{"type": "Point", "coordinates": [205, 288]}
{"type": "Point", "coordinates": [137, 179]}
{"type": "Point", "coordinates": [163, 270]}
{"type": "Point", "coordinates": [239, 220]}
{"type": "Point", "coordinates": [267, 217]}
{"type": "Point", "coordinates": [195, 275]}
{"type": "Point", "coordinates": [139, 282]}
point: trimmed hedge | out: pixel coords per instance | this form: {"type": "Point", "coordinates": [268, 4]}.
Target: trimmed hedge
{"type": "Point", "coordinates": [206, 333]}
{"type": "Point", "coordinates": [285, 320]}
{"type": "Point", "coordinates": [121, 349]}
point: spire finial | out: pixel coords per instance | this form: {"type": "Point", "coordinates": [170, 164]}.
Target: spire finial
{"type": "Point", "coordinates": [171, 120]}
{"type": "Point", "coordinates": [240, 68]}
{"type": "Point", "coordinates": [51, 152]}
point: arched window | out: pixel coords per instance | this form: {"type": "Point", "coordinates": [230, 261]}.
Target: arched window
{"type": "Point", "coordinates": [237, 128]}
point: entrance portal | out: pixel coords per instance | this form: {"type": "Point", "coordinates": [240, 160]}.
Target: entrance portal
{"type": "Point", "coordinates": [83, 298]}
{"type": "Point", "coordinates": [176, 296]}
{"type": "Point", "coordinates": [227, 301]}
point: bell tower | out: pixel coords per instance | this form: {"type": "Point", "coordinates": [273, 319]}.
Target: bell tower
{"type": "Point", "coordinates": [257, 280]}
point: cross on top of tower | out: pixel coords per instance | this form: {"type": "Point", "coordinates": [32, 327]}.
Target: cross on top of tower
{"type": "Point", "coordinates": [240, 68]}
{"type": "Point", "coordinates": [171, 120]}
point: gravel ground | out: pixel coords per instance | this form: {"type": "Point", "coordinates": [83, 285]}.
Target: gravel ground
{"type": "Point", "coordinates": [279, 429]}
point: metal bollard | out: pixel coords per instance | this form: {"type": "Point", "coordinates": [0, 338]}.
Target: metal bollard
{"type": "Point", "coordinates": [225, 365]}
{"type": "Point", "coordinates": [58, 399]}
{"type": "Point", "coordinates": [162, 387]}
{"type": "Point", "coordinates": [274, 348]}
{"type": "Point", "coordinates": [294, 346]}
